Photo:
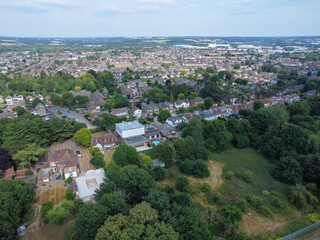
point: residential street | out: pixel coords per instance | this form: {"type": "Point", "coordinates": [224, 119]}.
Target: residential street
{"type": "Point", "coordinates": [72, 115]}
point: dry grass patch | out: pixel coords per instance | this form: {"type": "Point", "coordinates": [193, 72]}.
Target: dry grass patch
{"type": "Point", "coordinates": [97, 134]}
{"type": "Point", "coordinates": [256, 224]}
{"type": "Point", "coordinates": [55, 194]}
{"type": "Point", "coordinates": [215, 178]}
{"type": "Point", "coordinates": [84, 161]}
{"type": "Point", "coordinates": [47, 232]}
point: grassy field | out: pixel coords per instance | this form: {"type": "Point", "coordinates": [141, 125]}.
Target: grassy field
{"type": "Point", "coordinates": [150, 152]}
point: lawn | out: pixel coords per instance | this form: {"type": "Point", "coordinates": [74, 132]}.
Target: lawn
{"type": "Point", "coordinates": [55, 194]}
{"type": "Point", "coordinates": [150, 152]}
{"type": "Point", "coordinates": [108, 156]}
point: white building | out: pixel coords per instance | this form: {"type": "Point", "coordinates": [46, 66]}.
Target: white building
{"type": "Point", "coordinates": [87, 185]}
{"type": "Point", "coordinates": [130, 129]}
{"type": "Point", "coordinates": [181, 104]}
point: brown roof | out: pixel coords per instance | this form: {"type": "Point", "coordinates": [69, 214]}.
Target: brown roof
{"type": "Point", "coordinates": [8, 173]}
{"type": "Point", "coordinates": [105, 139]}
{"type": "Point", "coordinates": [63, 157]}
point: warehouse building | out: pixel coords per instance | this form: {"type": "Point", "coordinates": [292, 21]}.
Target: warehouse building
{"type": "Point", "coordinates": [132, 133]}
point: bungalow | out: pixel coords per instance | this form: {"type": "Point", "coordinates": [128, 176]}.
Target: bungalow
{"type": "Point", "coordinates": [106, 141]}
{"type": "Point", "coordinates": [120, 112]}
{"type": "Point", "coordinates": [196, 101]}
{"type": "Point", "coordinates": [175, 121]}
{"type": "Point", "coordinates": [181, 104]}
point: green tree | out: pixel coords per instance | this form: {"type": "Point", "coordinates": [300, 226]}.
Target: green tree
{"type": "Point", "coordinates": [163, 116]}
{"type": "Point", "coordinates": [136, 183]}
{"type": "Point", "coordinates": [125, 155]}
{"type": "Point", "coordinates": [67, 99]}
{"type": "Point", "coordinates": [257, 105]}
{"type": "Point", "coordinates": [208, 102]}
{"type": "Point", "coordinates": [236, 66]}
{"type": "Point", "coordinates": [158, 173]}
{"type": "Point", "coordinates": [83, 137]}
{"type": "Point", "coordinates": [200, 169]}
{"type": "Point", "coordinates": [29, 155]}
{"type": "Point", "coordinates": [182, 184]}
{"type": "Point", "coordinates": [185, 147]}
{"type": "Point", "coordinates": [146, 162]}
{"type": "Point", "coordinates": [142, 223]}
{"type": "Point", "coordinates": [97, 161]}
{"type": "Point", "coordinates": [288, 170]}
{"type": "Point", "coordinates": [166, 153]}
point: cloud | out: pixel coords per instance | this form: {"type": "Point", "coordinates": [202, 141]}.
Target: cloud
{"type": "Point", "coordinates": [112, 10]}
{"type": "Point", "coordinates": [157, 1]}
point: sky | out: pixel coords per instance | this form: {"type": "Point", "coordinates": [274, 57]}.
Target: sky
{"type": "Point", "coordinates": [129, 18]}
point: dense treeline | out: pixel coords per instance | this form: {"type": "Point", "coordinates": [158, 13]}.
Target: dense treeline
{"type": "Point", "coordinates": [26, 137]}
{"type": "Point", "coordinates": [15, 198]}
{"type": "Point", "coordinates": [129, 205]}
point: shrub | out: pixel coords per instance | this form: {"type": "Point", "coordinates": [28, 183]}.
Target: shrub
{"type": "Point", "coordinates": [200, 169]}
{"type": "Point", "coordinates": [241, 204]}
{"type": "Point", "coordinates": [276, 203]}
{"type": "Point", "coordinates": [70, 195]}
{"type": "Point", "coordinates": [254, 201]}
{"type": "Point", "coordinates": [97, 161]}
{"type": "Point", "coordinates": [299, 196]}
{"type": "Point", "coordinates": [28, 173]}
{"type": "Point", "coordinates": [46, 207]}
{"type": "Point", "coordinates": [59, 112]}
{"type": "Point", "coordinates": [158, 173]}
{"type": "Point", "coordinates": [182, 184]}
{"type": "Point", "coordinates": [186, 167]}
{"type": "Point", "coordinates": [69, 180]}
{"type": "Point", "coordinates": [245, 175]}
{"type": "Point", "coordinates": [202, 153]}
{"type": "Point", "coordinates": [206, 187]}
{"type": "Point", "coordinates": [265, 211]}
{"type": "Point", "coordinates": [95, 151]}
{"type": "Point", "coordinates": [169, 189]}
{"type": "Point", "coordinates": [228, 175]}
{"type": "Point", "coordinates": [214, 198]}
{"type": "Point", "coordinates": [265, 193]}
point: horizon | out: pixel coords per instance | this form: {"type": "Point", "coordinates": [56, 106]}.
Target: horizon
{"type": "Point", "coordinates": [124, 18]}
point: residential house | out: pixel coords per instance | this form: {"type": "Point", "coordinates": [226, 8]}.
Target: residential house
{"type": "Point", "coordinates": [175, 121]}
{"type": "Point", "coordinates": [9, 99]}
{"type": "Point", "coordinates": [166, 106]}
{"type": "Point", "coordinates": [61, 161]}
{"type": "Point", "coordinates": [196, 101]}
{"type": "Point", "coordinates": [181, 104]}
{"type": "Point", "coordinates": [166, 130]}
{"type": "Point", "coordinates": [206, 115]}
{"type": "Point", "coordinates": [120, 112]}
{"type": "Point", "coordinates": [136, 112]}
{"type": "Point", "coordinates": [39, 109]}
{"type": "Point", "coordinates": [149, 109]}
{"type": "Point", "coordinates": [151, 132]}
{"type": "Point", "coordinates": [106, 141]}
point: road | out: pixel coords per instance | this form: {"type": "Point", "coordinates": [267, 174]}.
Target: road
{"type": "Point", "coordinates": [71, 115]}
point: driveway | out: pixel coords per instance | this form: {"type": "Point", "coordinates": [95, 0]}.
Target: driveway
{"type": "Point", "coordinates": [71, 115]}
